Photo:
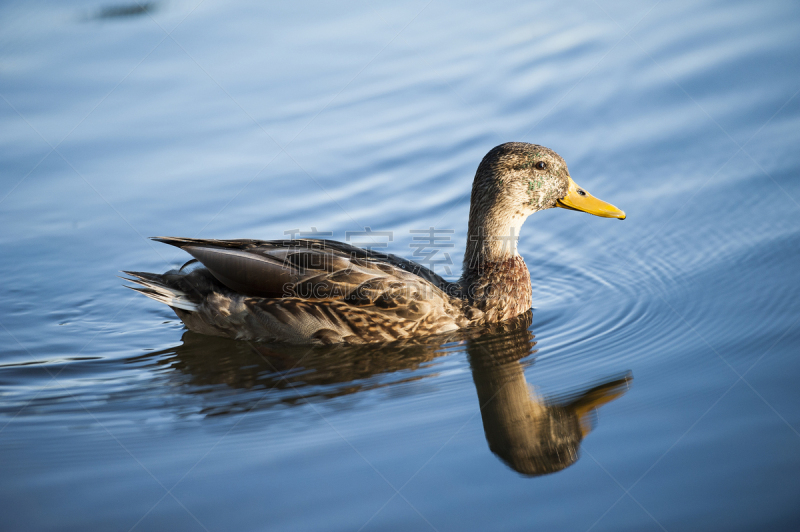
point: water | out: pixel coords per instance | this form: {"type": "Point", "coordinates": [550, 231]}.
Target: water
{"type": "Point", "coordinates": [247, 120]}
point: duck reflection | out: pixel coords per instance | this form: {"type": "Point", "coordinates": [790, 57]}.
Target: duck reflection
{"type": "Point", "coordinates": [532, 434]}
{"type": "Point", "coordinates": [289, 374]}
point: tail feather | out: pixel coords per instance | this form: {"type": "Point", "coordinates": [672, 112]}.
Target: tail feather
{"type": "Point", "coordinates": [152, 286]}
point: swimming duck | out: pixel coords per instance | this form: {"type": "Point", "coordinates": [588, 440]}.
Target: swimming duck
{"type": "Point", "coordinates": [310, 291]}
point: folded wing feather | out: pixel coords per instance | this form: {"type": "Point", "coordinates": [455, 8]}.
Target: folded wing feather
{"type": "Point", "coordinates": [328, 284]}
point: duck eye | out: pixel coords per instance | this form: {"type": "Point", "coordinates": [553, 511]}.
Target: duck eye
{"type": "Point", "coordinates": [541, 165]}
{"type": "Point", "coordinates": [581, 192]}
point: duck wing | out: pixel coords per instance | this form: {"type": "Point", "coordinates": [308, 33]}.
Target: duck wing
{"type": "Point", "coordinates": [312, 269]}
{"type": "Point", "coordinates": [305, 291]}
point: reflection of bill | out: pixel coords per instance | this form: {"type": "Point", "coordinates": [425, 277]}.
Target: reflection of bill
{"type": "Point", "coordinates": [531, 434]}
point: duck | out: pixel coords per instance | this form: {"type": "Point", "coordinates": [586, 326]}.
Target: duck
{"type": "Point", "coordinates": [318, 291]}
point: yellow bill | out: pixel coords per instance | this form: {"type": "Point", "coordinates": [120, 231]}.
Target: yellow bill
{"type": "Point", "coordinates": [577, 199]}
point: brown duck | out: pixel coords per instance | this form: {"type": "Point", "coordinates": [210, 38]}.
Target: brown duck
{"type": "Point", "coordinates": [308, 291]}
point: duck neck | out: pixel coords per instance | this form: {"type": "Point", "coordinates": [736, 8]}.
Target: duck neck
{"type": "Point", "coordinates": [495, 278]}
{"type": "Point", "coordinates": [491, 239]}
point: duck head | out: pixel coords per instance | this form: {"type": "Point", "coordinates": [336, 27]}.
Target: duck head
{"type": "Point", "coordinates": [515, 180]}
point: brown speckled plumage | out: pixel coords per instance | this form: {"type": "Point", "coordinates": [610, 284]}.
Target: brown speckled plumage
{"type": "Point", "coordinates": [320, 291]}
{"type": "Point", "coordinates": [500, 290]}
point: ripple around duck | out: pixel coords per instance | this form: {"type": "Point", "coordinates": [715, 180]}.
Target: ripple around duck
{"type": "Point", "coordinates": [680, 310]}
{"type": "Point", "coordinates": [602, 315]}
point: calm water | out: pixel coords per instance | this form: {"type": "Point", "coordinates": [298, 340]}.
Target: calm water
{"type": "Point", "coordinates": [243, 119]}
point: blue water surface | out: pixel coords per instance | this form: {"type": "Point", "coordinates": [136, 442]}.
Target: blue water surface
{"type": "Point", "coordinates": [250, 119]}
